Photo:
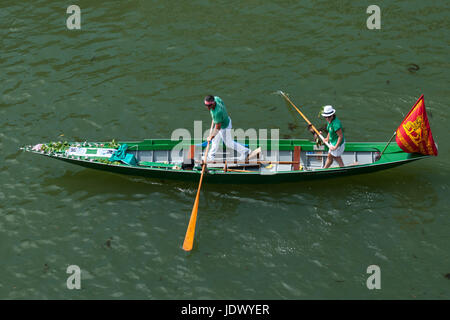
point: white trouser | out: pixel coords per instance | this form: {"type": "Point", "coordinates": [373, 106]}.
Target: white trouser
{"type": "Point", "coordinates": [224, 135]}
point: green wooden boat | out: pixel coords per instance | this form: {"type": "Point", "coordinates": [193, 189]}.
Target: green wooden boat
{"type": "Point", "coordinates": [296, 160]}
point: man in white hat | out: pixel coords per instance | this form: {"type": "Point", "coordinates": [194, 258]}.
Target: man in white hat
{"type": "Point", "coordinates": [335, 137]}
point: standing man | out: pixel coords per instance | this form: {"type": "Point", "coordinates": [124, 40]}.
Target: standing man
{"type": "Point", "coordinates": [222, 129]}
{"type": "Point", "coordinates": [335, 137]}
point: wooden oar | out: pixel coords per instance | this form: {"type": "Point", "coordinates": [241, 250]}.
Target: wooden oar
{"type": "Point", "coordinates": [189, 238]}
{"type": "Point", "coordinates": [307, 121]}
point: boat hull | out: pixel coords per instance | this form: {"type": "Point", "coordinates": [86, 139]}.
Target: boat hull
{"type": "Point", "coordinates": [240, 177]}
{"type": "Point", "coordinates": [307, 169]}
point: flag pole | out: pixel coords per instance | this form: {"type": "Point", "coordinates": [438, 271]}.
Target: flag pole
{"type": "Point", "coordinates": [388, 143]}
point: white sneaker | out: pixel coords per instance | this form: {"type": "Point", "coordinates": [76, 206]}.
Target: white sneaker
{"type": "Point", "coordinates": [244, 156]}
{"type": "Point", "coordinates": [254, 153]}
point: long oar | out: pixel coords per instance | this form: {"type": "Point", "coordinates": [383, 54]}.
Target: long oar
{"type": "Point", "coordinates": [189, 238]}
{"type": "Point", "coordinates": [312, 126]}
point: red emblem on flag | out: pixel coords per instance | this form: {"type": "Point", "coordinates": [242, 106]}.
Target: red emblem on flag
{"type": "Point", "coordinates": [414, 133]}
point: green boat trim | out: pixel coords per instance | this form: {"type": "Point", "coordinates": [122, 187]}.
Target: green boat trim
{"type": "Point", "coordinates": [296, 160]}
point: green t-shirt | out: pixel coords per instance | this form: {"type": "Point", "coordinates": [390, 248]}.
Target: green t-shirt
{"type": "Point", "coordinates": [219, 114]}
{"type": "Point", "coordinates": [332, 127]}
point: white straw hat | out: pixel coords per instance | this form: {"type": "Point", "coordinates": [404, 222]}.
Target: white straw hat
{"type": "Point", "coordinates": [328, 111]}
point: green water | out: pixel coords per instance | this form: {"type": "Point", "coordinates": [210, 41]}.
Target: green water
{"type": "Point", "coordinates": [140, 69]}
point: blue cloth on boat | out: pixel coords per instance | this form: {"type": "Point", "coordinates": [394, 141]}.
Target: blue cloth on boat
{"type": "Point", "coordinates": [122, 156]}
